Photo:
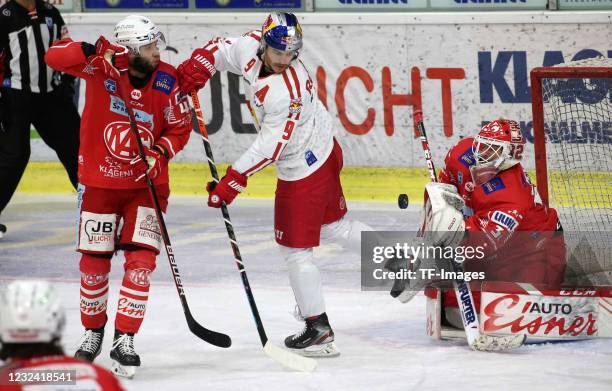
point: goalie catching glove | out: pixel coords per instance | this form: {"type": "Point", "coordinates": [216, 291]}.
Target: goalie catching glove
{"type": "Point", "coordinates": [227, 189]}
{"type": "Point", "coordinates": [442, 226]}
{"type": "Point", "coordinates": [443, 223]}
{"type": "Point", "coordinates": [156, 161]}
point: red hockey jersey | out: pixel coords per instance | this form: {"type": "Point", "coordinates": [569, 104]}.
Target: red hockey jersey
{"type": "Point", "coordinates": [69, 373]}
{"type": "Point", "coordinates": [107, 142]}
{"type": "Point", "coordinates": [500, 208]}
{"type": "Point", "coordinates": [510, 193]}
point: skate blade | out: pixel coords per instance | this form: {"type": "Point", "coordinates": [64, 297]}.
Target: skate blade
{"type": "Point", "coordinates": [325, 350]}
{"type": "Point", "coordinates": [123, 370]}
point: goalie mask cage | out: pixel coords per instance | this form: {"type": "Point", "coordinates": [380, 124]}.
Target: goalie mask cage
{"type": "Point", "coordinates": [572, 127]}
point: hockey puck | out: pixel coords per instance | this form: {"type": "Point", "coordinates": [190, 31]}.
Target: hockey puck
{"type": "Point", "coordinates": [402, 201]}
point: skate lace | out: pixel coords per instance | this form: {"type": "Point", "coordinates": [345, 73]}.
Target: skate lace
{"type": "Point", "coordinates": [301, 333]}
{"type": "Point", "coordinates": [125, 343]}
{"type": "Point", "coordinates": [90, 341]}
{"type": "Point", "coordinates": [297, 314]}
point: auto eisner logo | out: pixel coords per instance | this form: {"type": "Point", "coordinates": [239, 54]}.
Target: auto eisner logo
{"type": "Point", "coordinates": [499, 316]}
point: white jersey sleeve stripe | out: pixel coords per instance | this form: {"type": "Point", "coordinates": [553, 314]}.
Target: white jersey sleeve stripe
{"type": "Point", "coordinates": [296, 81]}
{"type": "Point", "coordinates": [288, 84]}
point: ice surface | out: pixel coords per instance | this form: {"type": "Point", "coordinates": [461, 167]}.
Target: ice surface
{"type": "Point", "coordinates": [383, 342]}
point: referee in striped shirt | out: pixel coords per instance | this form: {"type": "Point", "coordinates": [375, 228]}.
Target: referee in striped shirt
{"type": "Point", "coordinates": [32, 93]}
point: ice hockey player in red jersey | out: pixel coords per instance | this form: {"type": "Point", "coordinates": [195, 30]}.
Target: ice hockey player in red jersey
{"type": "Point", "coordinates": [522, 238]}
{"type": "Point", "coordinates": [31, 323]}
{"type": "Point", "coordinates": [295, 133]}
{"type": "Point", "coordinates": [115, 208]}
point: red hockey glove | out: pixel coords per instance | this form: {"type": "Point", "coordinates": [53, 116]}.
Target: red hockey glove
{"type": "Point", "coordinates": [120, 53]}
{"type": "Point", "coordinates": [227, 189]}
{"type": "Point", "coordinates": [156, 161]}
{"type": "Point", "coordinates": [194, 72]}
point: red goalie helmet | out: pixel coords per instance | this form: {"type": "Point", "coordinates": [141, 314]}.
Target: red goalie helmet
{"type": "Point", "coordinates": [498, 146]}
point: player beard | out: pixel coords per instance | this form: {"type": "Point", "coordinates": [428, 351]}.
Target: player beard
{"type": "Point", "coordinates": [141, 65]}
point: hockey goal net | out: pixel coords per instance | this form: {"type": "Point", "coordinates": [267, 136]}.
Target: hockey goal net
{"type": "Point", "coordinates": [572, 124]}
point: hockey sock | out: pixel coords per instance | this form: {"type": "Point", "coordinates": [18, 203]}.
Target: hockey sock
{"type": "Point", "coordinates": [134, 291]}
{"type": "Point", "coordinates": [94, 290]}
{"type": "Point", "coordinates": [305, 280]}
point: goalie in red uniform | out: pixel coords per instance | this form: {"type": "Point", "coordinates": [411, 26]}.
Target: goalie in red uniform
{"type": "Point", "coordinates": [502, 212]}
{"type": "Point", "coordinates": [115, 208]}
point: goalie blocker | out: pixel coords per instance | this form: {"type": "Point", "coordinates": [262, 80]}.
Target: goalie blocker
{"type": "Point", "coordinates": [543, 315]}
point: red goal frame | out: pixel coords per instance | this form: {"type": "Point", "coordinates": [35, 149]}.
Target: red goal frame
{"type": "Point", "coordinates": [537, 108]}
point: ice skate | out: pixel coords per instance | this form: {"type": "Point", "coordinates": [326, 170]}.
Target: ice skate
{"type": "Point", "coordinates": [125, 359]}
{"type": "Point", "coordinates": [90, 345]}
{"type": "Point", "coordinates": [2, 230]}
{"type": "Point", "coordinates": [315, 340]}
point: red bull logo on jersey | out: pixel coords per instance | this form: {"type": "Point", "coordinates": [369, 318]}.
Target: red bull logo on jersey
{"type": "Point", "coordinates": [295, 106]}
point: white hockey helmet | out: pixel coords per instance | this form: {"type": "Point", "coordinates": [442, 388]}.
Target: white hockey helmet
{"type": "Point", "coordinates": [135, 31]}
{"type": "Point", "coordinates": [30, 312]}
{"type": "Point", "coordinates": [498, 146]}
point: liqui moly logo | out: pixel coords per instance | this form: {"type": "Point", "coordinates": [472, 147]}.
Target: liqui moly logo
{"type": "Point", "coordinates": [552, 317]}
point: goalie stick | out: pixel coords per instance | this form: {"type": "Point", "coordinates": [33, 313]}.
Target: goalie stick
{"type": "Point", "coordinates": [212, 337]}
{"type": "Point", "coordinates": [469, 316]}
{"type": "Point", "coordinates": [282, 356]}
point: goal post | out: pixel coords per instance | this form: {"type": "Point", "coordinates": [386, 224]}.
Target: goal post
{"type": "Point", "coordinates": [572, 129]}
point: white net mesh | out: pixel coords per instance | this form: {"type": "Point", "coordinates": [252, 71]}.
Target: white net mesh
{"type": "Point", "coordinates": [578, 128]}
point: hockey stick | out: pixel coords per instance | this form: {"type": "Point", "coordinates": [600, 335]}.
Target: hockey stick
{"type": "Point", "coordinates": [282, 356]}
{"type": "Point", "coordinates": [469, 316]}
{"type": "Point", "coordinates": [212, 337]}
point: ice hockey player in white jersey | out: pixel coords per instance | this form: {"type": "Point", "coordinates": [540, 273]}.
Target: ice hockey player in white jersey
{"type": "Point", "coordinates": [296, 133]}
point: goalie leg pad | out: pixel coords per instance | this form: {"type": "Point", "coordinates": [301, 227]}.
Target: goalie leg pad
{"type": "Point", "coordinates": [305, 280]}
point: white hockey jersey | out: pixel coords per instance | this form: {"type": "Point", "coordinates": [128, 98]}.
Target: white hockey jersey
{"type": "Point", "coordinates": [294, 128]}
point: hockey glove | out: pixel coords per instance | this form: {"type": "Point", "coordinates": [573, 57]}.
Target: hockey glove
{"type": "Point", "coordinates": [120, 53]}
{"type": "Point", "coordinates": [98, 62]}
{"type": "Point", "coordinates": [195, 72]}
{"type": "Point", "coordinates": [227, 189]}
{"type": "Point", "coordinates": [156, 161]}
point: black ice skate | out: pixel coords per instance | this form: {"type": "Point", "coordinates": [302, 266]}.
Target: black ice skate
{"type": "Point", "coordinates": [316, 340]}
{"type": "Point", "coordinates": [125, 359]}
{"type": "Point", "coordinates": [91, 345]}
{"type": "Point", "coordinates": [2, 230]}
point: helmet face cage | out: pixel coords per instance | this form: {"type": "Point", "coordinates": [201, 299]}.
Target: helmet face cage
{"type": "Point", "coordinates": [489, 152]}
{"type": "Point", "coordinates": [283, 32]}
{"type": "Point", "coordinates": [136, 31]}
{"type": "Point", "coordinates": [498, 146]}
{"type": "Point", "coordinates": [499, 142]}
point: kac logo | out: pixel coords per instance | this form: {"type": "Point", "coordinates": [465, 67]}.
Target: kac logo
{"type": "Point", "coordinates": [110, 86]}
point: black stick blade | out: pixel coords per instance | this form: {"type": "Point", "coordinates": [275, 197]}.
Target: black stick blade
{"type": "Point", "coordinates": [212, 337]}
